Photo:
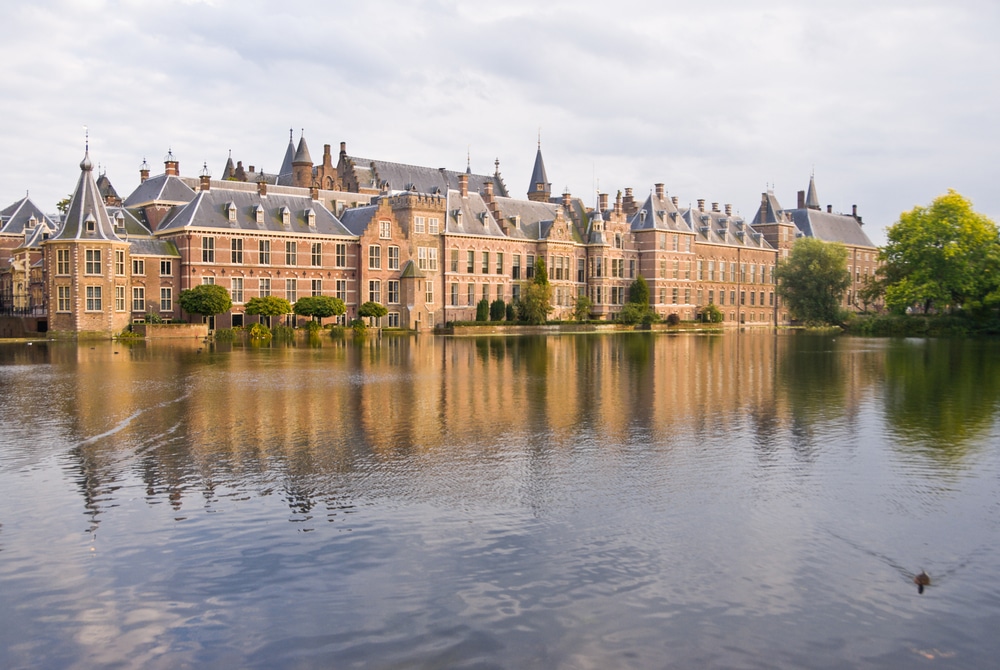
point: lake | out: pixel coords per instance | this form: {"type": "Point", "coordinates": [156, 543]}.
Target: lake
{"type": "Point", "coordinates": [635, 500]}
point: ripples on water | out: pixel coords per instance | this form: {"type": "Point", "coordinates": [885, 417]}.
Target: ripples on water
{"type": "Point", "coordinates": [577, 502]}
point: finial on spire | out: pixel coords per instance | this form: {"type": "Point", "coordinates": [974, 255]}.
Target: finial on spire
{"type": "Point", "coordinates": [468, 158]}
{"type": "Point", "coordinates": [303, 132]}
{"type": "Point", "coordinates": [496, 165]}
{"type": "Point", "coordinates": [86, 139]}
{"type": "Point", "coordinates": [539, 137]}
{"type": "Point", "coordinates": [291, 134]}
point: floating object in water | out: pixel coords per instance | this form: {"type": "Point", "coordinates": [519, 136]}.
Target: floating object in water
{"type": "Point", "coordinates": [922, 580]}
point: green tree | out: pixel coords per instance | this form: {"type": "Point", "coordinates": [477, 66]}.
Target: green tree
{"type": "Point", "coordinates": [372, 310]}
{"type": "Point", "coordinates": [942, 256]}
{"type": "Point", "coordinates": [536, 298]}
{"type": "Point", "coordinates": [632, 313]}
{"type": "Point", "coordinates": [319, 306]}
{"type": "Point", "coordinates": [205, 300]}
{"type": "Point", "coordinates": [483, 310]}
{"type": "Point", "coordinates": [813, 280]}
{"type": "Point", "coordinates": [498, 309]}
{"type": "Point", "coordinates": [711, 314]}
{"type": "Point", "coordinates": [638, 292]}
{"type": "Point", "coordinates": [63, 205]}
{"type": "Point", "coordinates": [268, 306]}
{"type": "Point", "coordinates": [582, 307]}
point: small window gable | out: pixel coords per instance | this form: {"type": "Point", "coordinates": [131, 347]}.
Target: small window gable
{"type": "Point", "coordinates": [286, 217]}
{"type": "Point", "coordinates": [231, 212]}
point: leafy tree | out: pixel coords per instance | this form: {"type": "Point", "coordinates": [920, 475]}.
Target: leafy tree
{"type": "Point", "coordinates": [872, 294]}
{"type": "Point", "coordinates": [510, 311]}
{"type": "Point", "coordinates": [942, 256]}
{"type": "Point", "coordinates": [638, 292]}
{"type": "Point", "coordinates": [498, 309]}
{"type": "Point", "coordinates": [372, 310]}
{"type": "Point", "coordinates": [711, 314]}
{"type": "Point", "coordinates": [483, 310]}
{"type": "Point", "coordinates": [319, 306]}
{"type": "Point", "coordinates": [813, 280]}
{"type": "Point", "coordinates": [205, 300]}
{"type": "Point", "coordinates": [536, 298]}
{"type": "Point", "coordinates": [63, 205]}
{"type": "Point", "coordinates": [632, 313]}
{"type": "Point", "coordinates": [268, 306]}
{"type": "Point", "coordinates": [582, 307]}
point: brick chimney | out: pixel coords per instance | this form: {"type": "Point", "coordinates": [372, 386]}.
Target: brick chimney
{"type": "Point", "coordinates": [801, 202]}
{"type": "Point", "coordinates": [701, 204]}
{"type": "Point", "coordinates": [660, 192]}
{"type": "Point", "coordinates": [143, 171]}
{"type": "Point", "coordinates": [204, 182]}
{"type": "Point", "coordinates": [729, 209]}
{"type": "Point", "coordinates": [463, 184]}
{"type": "Point", "coordinates": [715, 207]}
{"type": "Point", "coordinates": [567, 199]}
{"type": "Point", "coordinates": [829, 209]}
{"type": "Point", "coordinates": [262, 185]}
{"type": "Point", "coordinates": [674, 200]}
{"type": "Point", "coordinates": [343, 148]}
{"type": "Point", "coordinates": [629, 202]}
{"type": "Point", "coordinates": [314, 191]}
{"type": "Point", "coordinates": [618, 203]}
{"type": "Point", "coordinates": [602, 202]}
{"type": "Point", "coordinates": [171, 166]}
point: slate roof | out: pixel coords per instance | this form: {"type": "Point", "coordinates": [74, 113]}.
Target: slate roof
{"type": "Point", "coordinates": [86, 206]}
{"type": "Point", "coordinates": [722, 228]}
{"type": "Point", "coordinates": [400, 177]}
{"type": "Point", "coordinates": [210, 209]}
{"type": "Point", "coordinates": [127, 223]}
{"type": "Point", "coordinates": [106, 189]}
{"type": "Point", "coordinates": [659, 213]}
{"type": "Point", "coordinates": [469, 215]}
{"type": "Point", "coordinates": [153, 247]}
{"type": "Point", "coordinates": [356, 219]}
{"type": "Point", "coordinates": [538, 175]}
{"type": "Point", "coordinates": [812, 200]}
{"type": "Point", "coordinates": [534, 219]}
{"type": "Point", "coordinates": [164, 189]}
{"type": "Point", "coordinates": [830, 227]}
{"type": "Point", "coordinates": [15, 217]}
{"type": "Point", "coordinates": [771, 213]}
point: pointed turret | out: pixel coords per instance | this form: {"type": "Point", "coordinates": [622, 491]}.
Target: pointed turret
{"type": "Point", "coordinates": [229, 172]}
{"type": "Point", "coordinates": [87, 216]}
{"type": "Point", "coordinates": [540, 189]}
{"type": "Point", "coordinates": [812, 200]}
{"type": "Point", "coordinates": [286, 162]}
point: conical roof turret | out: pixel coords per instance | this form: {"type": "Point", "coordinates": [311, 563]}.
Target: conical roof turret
{"type": "Point", "coordinates": [87, 216]}
{"type": "Point", "coordinates": [540, 189]}
{"type": "Point", "coordinates": [812, 200]}
{"type": "Point", "coordinates": [286, 163]}
{"type": "Point", "coordinates": [301, 153]}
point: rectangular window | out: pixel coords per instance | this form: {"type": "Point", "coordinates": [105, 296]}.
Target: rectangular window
{"type": "Point", "coordinates": [486, 262]}
{"type": "Point", "coordinates": [631, 269]}
{"type": "Point", "coordinates": [454, 260]}
{"type": "Point", "coordinates": [677, 269]}
{"type": "Point", "coordinates": [291, 253]}
{"type": "Point", "coordinates": [317, 254]}
{"type": "Point", "coordinates": [374, 290]}
{"type": "Point", "coordinates": [580, 269]}
{"type": "Point", "coordinates": [711, 271]}
{"type": "Point", "coordinates": [753, 298]}
{"type": "Point", "coordinates": [470, 261]}
{"type": "Point", "coordinates": [430, 292]}
{"type": "Point", "coordinates": [515, 292]}
{"type": "Point", "coordinates": [62, 298]}
{"type": "Point", "coordinates": [317, 287]}
{"type": "Point", "coordinates": [687, 270]}
{"type": "Point", "coordinates": [529, 267]}
{"type": "Point", "coordinates": [433, 225]}
{"type": "Point", "coordinates": [120, 298]}
{"type": "Point", "coordinates": [699, 295]}
{"type": "Point", "coordinates": [472, 294]}
{"type": "Point", "coordinates": [688, 243]}
{"type": "Point", "coordinates": [486, 291]}
{"type": "Point", "coordinates": [675, 293]}
{"type": "Point", "coordinates": [393, 319]}
{"type": "Point", "coordinates": [687, 296]}
{"type": "Point", "coordinates": [120, 267]}
{"type": "Point", "coordinates": [454, 294]}
{"type": "Point", "coordinates": [662, 239]}
{"type": "Point", "coordinates": [264, 249]}
{"type": "Point", "coordinates": [93, 261]}
{"type": "Point", "coordinates": [432, 258]}
{"type": "Point", "coordinates": [393, 289]}
{"type": "Point", "coordinates": [341, 259]}
{"type": "Point", "coordinates": [265, 287]}
{"type": "Point", "coordinates": [732, 297]}
{"type": "Point", "coordinates": [208, 250]}
{"type": "Point", "coordinates": [675, 247]}
{"type": "Point", "coordinates": [663, 296]}
{"type": "Point", "coordinates": [385, 230]}
{"type": "Point", "coordinates": [722, 270]}
{"type": "Point", "coordinates": [743, 273]}
{"type": "Point", "coordinates": [701, 274]}
{"type": "Point", "coordinates": [166, 299]}
{"type": "Point", "coordinates": [237, 290]}
{"type": "Point", "coordinates": [753, 274]}
{"type": "Point", "coordinates": [166, 268]}
{"type": "Point", "coordinates": [207, 279]}
{"type": "Point", "coordinates": [138, 267]}
{"type": "Point", "coordinates": [236, 251]}
{"type": "Point", "coordinates": [94, 299]}
{"type": "Point", "coordinates": [374, 257]}
{"type": "Point", "coordinates": [62, 261]}
{"type": "Point", "coordinates": [342, 289]}
{"type": "Point", "coordinates": [422, 258]}
{"type": "Point", "coordinates": [291, 290]}
{"type": "Point", "coordinates": [722, 297]}
{"type": "Point", "coordinates": [418, 224]}
{"type": "Point", "coordinates": [499, 262]}
{"type": "Point", "coordinates": [743, 297]}
{"type": "Point", "coordinates": [515, 269]}
{"type": "Point", "coordinates": [138, 299]}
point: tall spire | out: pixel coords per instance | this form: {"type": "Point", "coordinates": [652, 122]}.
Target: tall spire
{"type": "Point", "coordinates": [286, 163]}
{"type": "Point", "coordinates": [812, 200]}
{"type": "Point", "coordinates": [540, 189]}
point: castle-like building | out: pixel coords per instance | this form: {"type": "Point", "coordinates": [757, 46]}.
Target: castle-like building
{"type": "Point", "coordinates": [426, 243]}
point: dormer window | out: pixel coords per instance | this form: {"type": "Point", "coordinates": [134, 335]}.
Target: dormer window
{"type": "Point", "coordinates": [90, 223]}
{"type": "Point", "coordinates": [119, 222]}
{"type": "Point", "coordinates": [258, 212]}
{"type": "Point", "coordinates": [286, 217]}
{"type": "Point", "coordinates": [32, 222]}
{"type": "Point", "coordinates": [311, 218]}
{"type": "Point", "coordinates": [231, 212]}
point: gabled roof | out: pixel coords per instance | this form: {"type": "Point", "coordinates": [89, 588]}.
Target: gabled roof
{"type": "Point", "coordinates": [394, 177]}
{"type": "Point", "coordinates": [356, 219]}
{"type": "Point", "coordinates": [530, 220]}
{"type": "Point", "coordinates": [721, 228]}
{"type": "Point", "coordinates": [210, 209]}
{"type": "Point", "coordinates": [87, 217]}
{"type": "Point", "coordinates": [162, 189]}
{"type": "Point", "coordinates": [469, 215]}
{"type": "Point", "coordinates": [659, 213]}
{"type": "Point", "coordinates": [107, 190]}
{"type": "Point", "coordinates": [129, 222]}
{"type": "Point", "coordinates": [830, 227]}
{"type": "Point", "coordinates": [15, 217]}
{"type": "Point", "coordinates": [769, 211]}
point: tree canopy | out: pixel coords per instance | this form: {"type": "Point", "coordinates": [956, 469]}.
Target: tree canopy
{"type": "Point", "coordinates": [638, 292]}
{"type": "Point", "coordinates": [813, 280]}
{"type": "Point", "coordinates": [268, 305]}
{"type": "Point", "coordinates": [319, 306]}
{"type": "Point", "coordinates": [942, 256]}
{"type": "Point", "coordinates": [536, 298]}
{"type": "Point", "coordinates": [373, 310]}
{"type": "Point", "coordinates": [205, 300]}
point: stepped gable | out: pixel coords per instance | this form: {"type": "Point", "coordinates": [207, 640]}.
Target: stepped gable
{"type": "Point", "coordinates": [211, 210]}
{"type": "Point", "coordinates": [16, 218]}
{"type": "Point", "coordinates": [469, 215]}
{"type": "Point", "coordinates": [357, 219]}
{"type": "Point", "coordinates": [87, 216]}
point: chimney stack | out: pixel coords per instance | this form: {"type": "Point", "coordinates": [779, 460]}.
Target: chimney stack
{"type": "Point", "coordinates": [171, 165]}
{"type": "Point", "coordinates": [343, 148]}
{"type": "Point", "coordinates": [715, 207]}
{"type": "Point", "coordinates": [143, 171]}
{"type": "Point", "coordinates": [261, 184]}
{"type": "Point", "coordinates": [801, 204]}
{"type": "Point", "coordinates": [675, 200]}
{"type": "Point", "coordinates": [463, 184]}
{"type": "Point", "coordinates": [618, 203]}
{"type": "Point", "coordinates": [314, 191]}
{"type": "Point", "coordinates": [567, 199]}
{"type": "Point", "coordinates": [829, 209]}
{"type": "Point", "coordinates": [729, 209]}
{"type": "Point", "coordinates": [659, 190]}
{"type": "Point", "coordinates": [602, 201]}
{"type": "Point", "coordinates": [701, 204]}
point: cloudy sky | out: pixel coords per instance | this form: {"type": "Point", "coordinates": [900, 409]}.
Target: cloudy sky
{"type": "Point", "coordinates": [889, 102]}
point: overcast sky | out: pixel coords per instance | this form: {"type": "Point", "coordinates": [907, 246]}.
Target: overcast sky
{"type": "Point", "coordinates": [889, 102]}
